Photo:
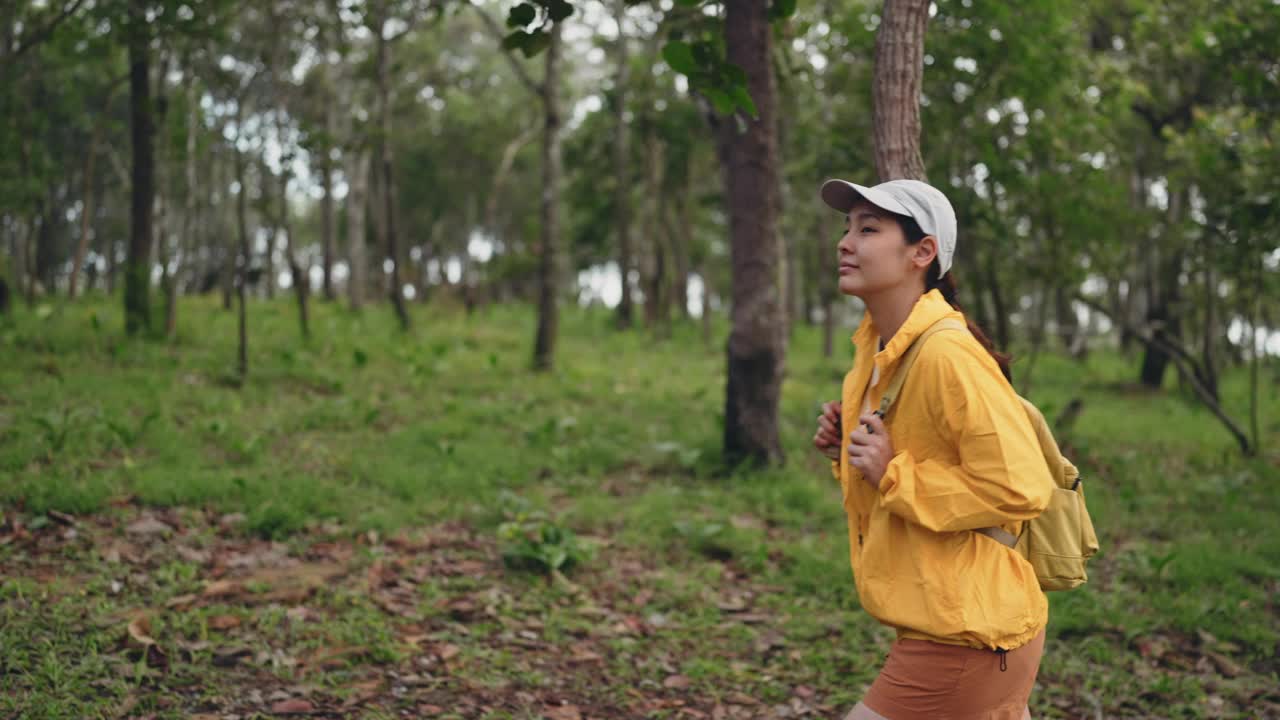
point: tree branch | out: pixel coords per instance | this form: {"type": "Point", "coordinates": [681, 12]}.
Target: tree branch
{"type": "Point", "coordinates": [492, 26]}
{"type": "Point", "coordinates": [43, 33]}
{"type": "Point", "coordinates": [1185, 368]}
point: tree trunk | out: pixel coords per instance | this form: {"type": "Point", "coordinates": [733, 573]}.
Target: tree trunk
{"type": "Point", "coordinates": [357, 172]}
{"type": "Point", "coordinates": [227, 239]}
{"type": "Point", "coordinates": [137, 284]}
{"type": "Point", "coordinates": [188, 205]}
{"type": "Point", "coordinates": [898, 73]}
{"type": "Point", "coordinates": [298, 275]}
{"type": "Point", "coordinates": [681, 237]}
{"type": "Point", "coordinates": [1166, 293]}
{"type": "Point", "coordinates": [387, 186]}
{"type": "Point", "coordinates": [1209, 360]}
{"type": "Point", "coordinates": [86, 211]}
{"type": "Point", "coordinates": [326, 203]}
{"type": "Point", "coordinates": [828, 281]}
{"type": "Point", "coordinates": [548, 261]}
{"type": "Point", "coordinates": [756, 349]}
{"type": "Point", "coordinates": [654, 260]}
{"type": "Point", "coordinates": [242, 227]}
{"type": "Point", "coordinates": [621, 172]}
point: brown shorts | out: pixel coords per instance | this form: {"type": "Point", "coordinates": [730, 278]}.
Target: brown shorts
{"type": "Point", "coordinates": [923, 679]}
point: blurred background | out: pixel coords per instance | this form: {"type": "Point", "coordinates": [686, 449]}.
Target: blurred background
{"type": "Point", "coordinates": [456, 318]}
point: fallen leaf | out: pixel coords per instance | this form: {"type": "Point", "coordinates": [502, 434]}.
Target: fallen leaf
{"type": "Point", "coordinates": [296, 706]}
{"type": "Point", "coordinates": [148, 526]}
{"type": "Point", "coordinates": [139, 631]}
{"type": "Point", "coordinates": [222, 588]}
{"type": "Point", "coordinates": [332, 658]}
{"type": "Point", "coordinates": [563, 712]}
{"type": "Point", "coordinates": [447, 652]}
{"type": "Point", "coordinates": [226, 657]}
{"type": "Point", "coordinates": [224, 622]}
{"type": "Point", "coordinates": [676, 682]}
{"type": "Point", "coordinates": [1226, 666]}
{"type": "Point", "coordinates": [181, 602]}
{"type": "Point", "coordinates": [62, 517]}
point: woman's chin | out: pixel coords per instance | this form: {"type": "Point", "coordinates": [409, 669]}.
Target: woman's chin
{"type": "Point", "coordinates": [850, 286]}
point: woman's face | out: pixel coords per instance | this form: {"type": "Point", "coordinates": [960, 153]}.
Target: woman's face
{"type": "Point", "coordinates": [874, 254]}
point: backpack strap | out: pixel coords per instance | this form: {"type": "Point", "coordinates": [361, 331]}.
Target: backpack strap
{"type": "Point", "coordinates": [900, 375]}
{"type": "Point", "coordinates": [1000, 535]}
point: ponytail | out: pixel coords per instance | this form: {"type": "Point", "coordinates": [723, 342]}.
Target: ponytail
{"type": "Point", "coordinates": [947, 286]}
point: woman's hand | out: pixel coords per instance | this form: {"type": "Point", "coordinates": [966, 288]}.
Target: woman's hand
{"type": "Point", "coordinates": [871, 451]}
{"type": "Point", "coordinates": [827, 439]}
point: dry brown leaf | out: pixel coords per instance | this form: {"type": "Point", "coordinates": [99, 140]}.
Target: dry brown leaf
{"type": "Point", "coordinates": [181, 602]}
{"type": "Point", "coordinates": [562, 712]}
{"type": "Point", "coordinates": [295, 706]}
{"type": "Point", "coordinates": [139, 639]}
{"type": "Point", "coordinates": [222, 588]}
{"type": "Point", "coordinates": [226, 657]}
{"type": "Point", "coordinates": [330, 658]}
{"type": "Point", "coordinates": [224, 622]}
{"type": "Point", "coordinates": [676, 682]}
{"type": "Point", "coordinates": [447, 652]}
{"type": "Point", "coordinates": [148, 525]}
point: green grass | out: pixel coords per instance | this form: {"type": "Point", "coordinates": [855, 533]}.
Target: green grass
{"type": "Point", "coordinates": [366, 429]}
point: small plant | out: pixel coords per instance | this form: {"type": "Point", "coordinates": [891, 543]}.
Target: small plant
{"type": "Point", "coordinates": [531, 541]}
{"type": "Point", "coordinates": [128, 435]}
{"type": "Point", "coordinates": [539, 545]}
{"type": "Point", "coordinates": [56, 428]}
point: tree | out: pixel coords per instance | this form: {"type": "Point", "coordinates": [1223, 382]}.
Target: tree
{"type": "Point", "coordinates": [137, 289]}
{"type": "Point", "coordinates": [899, 68]}
{"type": "Point", "coordinates": [756, 348]}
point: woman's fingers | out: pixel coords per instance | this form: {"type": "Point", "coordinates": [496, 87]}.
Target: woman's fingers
{"type": "Point", "coordinates": [828, 425]}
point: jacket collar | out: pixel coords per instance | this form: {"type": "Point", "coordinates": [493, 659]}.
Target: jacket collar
{"type": "Point", "coordinates": [929, 309]}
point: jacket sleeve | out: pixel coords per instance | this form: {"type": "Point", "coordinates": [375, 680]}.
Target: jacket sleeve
{"type": "Point", "coordinates": [1001, 475]}
{"type": "Point", "coordinates": [835, 470]}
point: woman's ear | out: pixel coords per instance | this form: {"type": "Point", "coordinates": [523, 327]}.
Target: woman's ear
{"type": "Point", "coordinates": [925, 251]}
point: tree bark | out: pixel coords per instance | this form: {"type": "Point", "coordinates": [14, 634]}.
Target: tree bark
{"type": "Point", "coordinates": [898, 74]}
{"type": "Point", "coordinates": [357, 172]}
{"type": "Point", "coordinates": [242, 227]}
{"type": "Point", "coordinates": [548, 261]}
{"type": "Point", "coordinates": [756, 348]}
{"type": "Point", "coordinates": [298, 276]}
{"type": "Point", "coordinates": [326, 203]}
{"type": "Point", "coordinates": [387, 186]}
{"type": "Point", "coordinates": [188, 204]}
{"type": "Point", "coordinates": [137, 288]}
{"type": "Point", "coordinates": [86, 211]}
{"type": "Point", "coordinates": [622, 173]}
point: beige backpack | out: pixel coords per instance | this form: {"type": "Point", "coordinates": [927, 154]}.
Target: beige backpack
{"type": "Point", "coordinates": [1060, 540]}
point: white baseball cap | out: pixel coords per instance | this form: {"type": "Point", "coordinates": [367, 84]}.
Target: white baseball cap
{"type": "Point", "coordinates": [920, 201]}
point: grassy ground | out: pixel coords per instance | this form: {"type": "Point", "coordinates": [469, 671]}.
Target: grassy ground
{"type": "Point", "coordinates": [329, 538]}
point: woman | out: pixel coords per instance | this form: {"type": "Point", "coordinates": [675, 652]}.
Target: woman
{"type": "Point", "coordinates": [956, 453]}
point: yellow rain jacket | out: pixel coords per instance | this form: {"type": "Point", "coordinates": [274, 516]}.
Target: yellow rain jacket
{"type": "Point", "coordinates": [965, 457]}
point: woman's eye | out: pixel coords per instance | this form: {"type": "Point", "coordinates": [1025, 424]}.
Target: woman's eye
{"type": "Point", "coordinates": [868, 228]}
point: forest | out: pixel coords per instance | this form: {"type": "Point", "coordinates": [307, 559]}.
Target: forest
{"type": "Point", "coordinates": [460, 358]}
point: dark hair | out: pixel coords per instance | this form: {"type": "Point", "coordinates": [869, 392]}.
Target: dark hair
{"type": "Point", "coordinates": [947, 286]}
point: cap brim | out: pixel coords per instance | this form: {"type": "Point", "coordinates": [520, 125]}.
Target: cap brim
{"type": "Point", "coordinates": [842, 195]}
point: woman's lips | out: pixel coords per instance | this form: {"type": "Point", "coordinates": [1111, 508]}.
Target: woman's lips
{"type": "Point", "coordinates": [846, 268]}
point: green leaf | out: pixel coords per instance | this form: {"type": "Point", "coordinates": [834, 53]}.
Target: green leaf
{"type": "Point", "coordinates": [743, 100]}
{"type": "Point", "coordinates": [559, 10]}
{"type": "Point", "coordinates": [782, 9]}
{"type": "Point", "coordinates": [679, 55]}
{"type": "Point", "coordinates": [521, 15]}
{"type": "Point", "coordinates": [723, 103]}
{"type": "Point", "coordinates": [516, 40]}
{"type": "Point", "coordinates": [536, 43]}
